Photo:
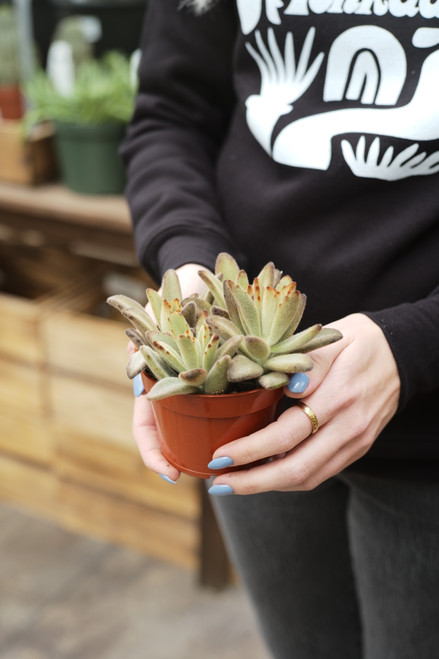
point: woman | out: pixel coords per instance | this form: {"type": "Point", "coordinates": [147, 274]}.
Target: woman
{"type": "Point", "coordinates": [306, 132]}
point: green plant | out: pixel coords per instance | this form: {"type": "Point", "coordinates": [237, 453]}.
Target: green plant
{"type": "Point", "coordinates": [9, 51]}
{"type": "Point", "coordinates": [103, 93]}
{"type": "Point", "coordinates": [238, 332]}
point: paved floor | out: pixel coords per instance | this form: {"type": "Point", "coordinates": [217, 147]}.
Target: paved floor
{"type": "Point", "coordinates": [63, 596]}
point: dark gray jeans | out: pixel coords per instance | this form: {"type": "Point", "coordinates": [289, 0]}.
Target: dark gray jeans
{"type": "Point", "coordinates": [347, 571]}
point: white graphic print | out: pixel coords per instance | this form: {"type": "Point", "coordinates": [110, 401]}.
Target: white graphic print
{"type": "Point", "coordinates": [366, 65]}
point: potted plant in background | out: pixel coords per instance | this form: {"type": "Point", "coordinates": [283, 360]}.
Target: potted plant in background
{"type": "Point", "coordinates": [11, 100]}
{"type": "Point", "coordinates": [214, 366]}
{"type": "Point", "coordinates": [89, 122]}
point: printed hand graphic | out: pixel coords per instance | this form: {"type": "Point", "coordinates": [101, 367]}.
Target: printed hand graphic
{"type": "Point", "coordinates": [405, 164]}
{"type": "Point", "coordinates": [282, 81]}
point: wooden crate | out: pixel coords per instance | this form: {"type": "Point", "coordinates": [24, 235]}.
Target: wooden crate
{"type": "Point", "coordinates": [29, 160]}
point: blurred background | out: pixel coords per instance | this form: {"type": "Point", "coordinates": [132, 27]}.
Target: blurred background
{"type": "Point", "coordinates": [98, 557]}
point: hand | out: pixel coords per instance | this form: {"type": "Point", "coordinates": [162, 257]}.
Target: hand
{"type": "Point", "coordinates": [353, 390]}
{"type": "Point", "coordinates": [144, 428]}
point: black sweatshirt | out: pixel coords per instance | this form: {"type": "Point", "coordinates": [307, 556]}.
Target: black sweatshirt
{"type": "Point", "coordinates": [304, 132]}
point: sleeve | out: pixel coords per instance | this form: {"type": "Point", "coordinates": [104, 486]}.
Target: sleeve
{"type": "Point", "coordinates": [412, 331]}
{"type": "Point", "coordinates": [183, 108]}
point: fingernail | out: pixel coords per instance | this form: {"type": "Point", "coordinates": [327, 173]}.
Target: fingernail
{"type": "Point", "coordinates": [298, 383]}
{"type": "Point", "coordinates": [221, 490]}
{"type": "Point", "coordinates": [167, 479]}
{"type": "Point", "coordinates": [138, 387]}
{"type": "Point", "coordinates": [220, 463]}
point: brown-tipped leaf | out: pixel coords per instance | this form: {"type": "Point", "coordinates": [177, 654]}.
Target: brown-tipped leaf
{"type": "Point", "coordinates": [170, 387]}
{"type": "Point", "coordinates": [273, 380]}
{"type": "Point", "coordinates": [325, 337]}
{"type": "Point", "coordinates": [215, 286]}
{"type": "Point", "coordinates": [136, 364]}
{"type": "Point", "coordinates": [171, 289]}
{"type": "Point", "coordinates": [247, 311]}
{"type": "Point", "coordinates": [225, 328]}
{"type": "Point", "coordinates": [242, 368]}
{"type": "Point", "coordinates": [217, 381]}
{"type": "Point", "coordinates": [156, 365]}
{"type": "Point", "coordinates": [256, 348]}
{"type": "Point", "coordinates": [139, 319]}
{"type": "Point", "coordinates": [296, 342]}
{"type": "Point", "coordinates": [194, 377]}
{"type": "Point", "coordinates": [289, 363]}
{"type": "Point", "coordinates": [227, 266]}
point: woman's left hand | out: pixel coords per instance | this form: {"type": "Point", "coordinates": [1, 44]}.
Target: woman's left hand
{"type": "Point", "coordinates": [353, 390]}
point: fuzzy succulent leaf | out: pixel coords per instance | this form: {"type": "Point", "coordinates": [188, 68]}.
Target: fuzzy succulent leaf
{"type": "Point", "coordinates": [136, 364]}
{"type": "Point", "coordinates": [286, 280]}
{"type": "Point", "coordinates": [171, 289]}
{"type": "Point", "coordinates": [188, 351]}
{"type": "Point", "coordinates": [242, 280]}
{"type": "Point", "coordinates": [266, 276]}
{"type": "Point", "coordinates": [179, 324]}
{"type": "Point", "coordinates": [325, 337]}
{"type": "Point", "coordinates": [257, 295]}
{"type": "Point", "coordinates": [297, 315]}
{"type": "Point", "coordinates": [294, 363]}
{"type": "Point", "coordinates": [282, 319]}
{"type": "Point", "coordinates": [195, 377]}
{"type": "Point", "coordinates": [155, 364]}
{"type": "Point", "coordinates": [226, 266]}
{"type": "Point", "coordinates": [214, 284]}
{"type": "Point", "coordinates": [200, 303]}
{"type": "Point", "coordinates": [225, 328]}
{"type": "Point", "coordinates": [210, 352]}
{"type": "Point", "coordinates": [219, 311]}
{"type": "Point", "coordinates": [217, 381]}
{"type": "Point", "coordinates": [268, 309]}
{"type": "Point", "coordinates": [189, 313]}
{"type": "Point", "coordinates": [296, 342]}
{"type": "Point", "coordinates": [169, 355]}
{"type": "Point", "coordinates": [139, 319]}
{"type": "Point", "coordinates": [229, 347]}
{"type": "Point", "coordinates": [165, 337]}
{"type": "Point", "coordinates": [255, 348]}
{"type": "Point", "coordinates": [156, 302]}
{"type": "Point", "coordinates": [273, 380]}
{"type": "Point", "coordinates": [121, 302]}
{"type": "Point", "coordinates": [135, 337]}
{"type": "Point", "coordinates": [243, 368]}
{"type": "Point", "coordinates": [172, 386]}
{"type": "Point", "coordinates": [248, 313]}
{"type": "Point", "coordinates": [231, 305]}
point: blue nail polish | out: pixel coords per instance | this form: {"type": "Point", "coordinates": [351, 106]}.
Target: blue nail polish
{"type": "Point", "coordinates": [138, 387]}
{"type": "Point", "coordinates": [298, 383]}
{"type": "Point", "coordinates": [220, 463]}
{"type": "Point", "coordinates": [167, 479]}
{"type": "Point", "coordinates": [221, 490]}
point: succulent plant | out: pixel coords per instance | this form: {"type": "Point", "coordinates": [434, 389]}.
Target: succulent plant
{"type": "Point", "coordinates": [239, 331]}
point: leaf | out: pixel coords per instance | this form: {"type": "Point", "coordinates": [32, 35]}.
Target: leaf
{"type": "Point", "coordinates": [227, 266]}
{"type": "Point", "coordinates": [156, 302]}
{"type": "Point", "coordinates": [231, 305]}
{"type": "Point", "coordinates": [229, 347]}
{"type": "Point", "coordinates": [273, 380]}
{"type": "Point", "coordinates": [156, 365]}
{"type": "Point", "coordinates": [225, 328]}
{"type": "Point", "coordinates": [256, 348]}
{"type": "Point", "coordinates": [170, 387]}
{"type": "Point", "coordinates": [327, 336]}
{"type": "Point", "coordinates": [136, 364]}
{"type": "Point", "coordinates": [139, 319]}
{"type": "Point", "coordinates": [282, 319]}
{"type": "Point", "coordinates": [179, 324]}
{"type": "Point", "coordinates": [171, 289]}
{"type": "Point", "coordinates": [188, 351]}
{"type": "Point", "coordinates": [164, 316]}
{"type": "Point", "coordinates": [189, 313]}
{"type": "Point", "coordinates": [165, 337]}
{"type": "Point", "coordinates": [289, 363]}
{"type": "Point", "coordinates": [217, 381]}
{"type": "Point", "coordinates": [242, 280]}
{"type": "Point", "coordinates": [242, 368]}
{"type": "Point", "coordinates": [297, 315]}
{"type": "Point", "coordinates": [135, 337]}
{"type": "Point", "coordinates": [266, 276]}
{"type": "Point", "coordinates": [194, 377]}
{"type": "Point", "coordinates": [214, 285]}
{"type": "Point", "coordinates": [209, 355]}
{"type": "Point", "coordinates": [268, 310]}
{"type": "Point", "coordinates": [285, 281]}
{"type": "Point", "coordinates": [296, 342]}
{"type": "Point", "coordinates": [257, 295]}
{"type": "Point", "coordinates": [247, 311]}
{"type": "Point", "coordinates": [120, 302]}
{"type": "Point", "coordinates": [169, 355]}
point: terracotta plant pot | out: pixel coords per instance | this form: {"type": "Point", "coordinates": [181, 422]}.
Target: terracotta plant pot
{"type": "Point", "coordinates": [193, 426]}
{"type": "Point", "coordinates": [11, 102]}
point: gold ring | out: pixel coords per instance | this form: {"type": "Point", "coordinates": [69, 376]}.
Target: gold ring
{"type": "Point", "coordinates": [310, 414]}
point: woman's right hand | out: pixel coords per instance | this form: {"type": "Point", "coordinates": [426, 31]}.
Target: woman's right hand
{"type": "Point", "coordinates": [144, 428]}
